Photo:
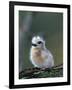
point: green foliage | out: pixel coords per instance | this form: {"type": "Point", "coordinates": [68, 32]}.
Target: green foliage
{"type": "Point", "coordinates": [42, 73]}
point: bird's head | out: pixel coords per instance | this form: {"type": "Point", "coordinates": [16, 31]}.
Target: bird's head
{"type": "Point", "coordinates": [38, 42]}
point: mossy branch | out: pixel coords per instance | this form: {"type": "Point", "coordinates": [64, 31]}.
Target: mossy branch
{"type": "Point", "coordinates": [39, 72]}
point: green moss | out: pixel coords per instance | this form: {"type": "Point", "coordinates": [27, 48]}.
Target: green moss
{"type": "Point", "coordinates": [43, 74]}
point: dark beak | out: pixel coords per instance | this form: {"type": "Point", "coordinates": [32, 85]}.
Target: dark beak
{"type": "Point", "coordinates": [34, 45]}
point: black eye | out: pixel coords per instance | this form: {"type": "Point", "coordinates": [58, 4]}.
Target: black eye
{"type": "Point", "coordinates": [39, 42]}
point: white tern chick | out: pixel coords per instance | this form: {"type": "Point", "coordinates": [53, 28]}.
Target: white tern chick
{"type": "Point", "coordinates": [40, 56]}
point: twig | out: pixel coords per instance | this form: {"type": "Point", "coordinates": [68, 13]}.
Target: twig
{"type": "Point", "coordinates": [31, 71]}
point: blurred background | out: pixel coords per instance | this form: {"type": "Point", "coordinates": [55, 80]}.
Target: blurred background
{"type": "Point", "coordinates": [46, 24]}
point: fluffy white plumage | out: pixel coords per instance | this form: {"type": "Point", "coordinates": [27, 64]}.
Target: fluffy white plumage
{"type": "Point", "coordinates": [40, 56]}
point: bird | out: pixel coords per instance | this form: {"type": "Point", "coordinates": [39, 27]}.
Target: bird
{"type": "Point", "coordinates": [40, 56]}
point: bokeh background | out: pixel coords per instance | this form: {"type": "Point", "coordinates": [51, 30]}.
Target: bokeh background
{"type": "Point", "coordinates": [46, 24]}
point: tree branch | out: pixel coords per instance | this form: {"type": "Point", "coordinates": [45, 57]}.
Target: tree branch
{"type": "Point", "coordinates": [34, 71]}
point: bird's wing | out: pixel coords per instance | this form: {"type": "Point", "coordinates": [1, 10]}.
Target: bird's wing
{"type": "Point", "coordinates": [49, 53]}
